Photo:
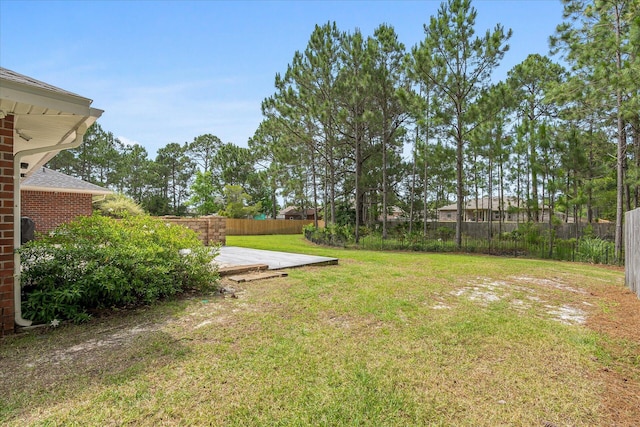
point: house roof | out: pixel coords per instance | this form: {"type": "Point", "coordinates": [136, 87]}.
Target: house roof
{"type": "Point", "coordinates": [12, 76]}
{"type": "Point", "coordinates": [293, 210]}
{"type": "Point", "coordinates": [44, 117]}
{"type": "Point", "coordinates": [288, 210]}
{"type": "Point", "coordinates": [44, 179]}
{"type": "Point", "coordinates": [483, 204]}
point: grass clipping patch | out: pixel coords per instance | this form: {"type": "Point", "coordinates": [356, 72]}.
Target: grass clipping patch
{"type": "Point", "coordinates": [381, 339]}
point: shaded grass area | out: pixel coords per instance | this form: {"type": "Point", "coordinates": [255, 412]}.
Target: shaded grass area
{"type": "Point", "coordinates": [380, 339]}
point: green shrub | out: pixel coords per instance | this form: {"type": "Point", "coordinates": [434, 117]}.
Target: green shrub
{"type": "Point", "coordinates": [515, 235]}
{"type": "Point", "coordinates": [588, 231]}
{"type": "Point", "coordinates": [595, 250]}
{"type": "Point", "coordinates": [332, 234]}
{"type": "Point", "coordinates": [119, 206]}
{"type": "Point", "coordinates": [564, 249]}
{"type": "Point", "coordinates": [445, 233]}
{"type": "Point", "coordinates": [98, 262]}
{"type": "Point", "coordinates": [530, 232]}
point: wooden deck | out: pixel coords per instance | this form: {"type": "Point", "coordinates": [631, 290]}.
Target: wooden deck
{"type": "Point", "coordinates": [231, 256]}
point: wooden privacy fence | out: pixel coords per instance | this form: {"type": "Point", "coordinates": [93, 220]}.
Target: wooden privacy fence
{"type": "Point", "coordinates": [249, 227]}
{"type": "Point", "coordinates": [632, 250]}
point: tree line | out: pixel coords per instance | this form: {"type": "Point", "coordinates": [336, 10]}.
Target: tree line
{"type": "Point", "coordinates": [360, 124]}
{"type": "Point", "coordinates": [204, 176]}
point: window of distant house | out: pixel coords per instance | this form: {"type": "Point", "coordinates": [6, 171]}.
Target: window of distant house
{"type": "Point", "coordinates": [448, 215]}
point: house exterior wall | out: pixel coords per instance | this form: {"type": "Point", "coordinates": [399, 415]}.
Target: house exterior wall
{"type": "Point", "coordinates": [6, 226]}
{"type": "Point", "coordinates": [298, 216]}
{"type": "Point", "coordinates": [445, 215]}
{"type": "Point", "coordinates": [49, 209]}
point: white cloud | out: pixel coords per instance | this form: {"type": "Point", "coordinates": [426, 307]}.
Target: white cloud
{"type": "Point", "coordinates": [127, 141]}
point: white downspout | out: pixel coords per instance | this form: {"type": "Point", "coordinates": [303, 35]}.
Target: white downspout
{"type": "Point", "coordinates": [17, 287]}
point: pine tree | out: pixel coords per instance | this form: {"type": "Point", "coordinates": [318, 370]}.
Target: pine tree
{"type": "Point", "coordinates": [530, 82]}
{"type": "Point", "coordinates": [458, 64]}
{"type": "Point", "coordinates": [599, 40]}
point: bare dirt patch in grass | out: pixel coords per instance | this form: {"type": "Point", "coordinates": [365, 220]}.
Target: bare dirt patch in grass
{"type": "Point", "coordinates": [109, 338]}
{"type": "Point", "coordinates": [550, 283]}
{"type": "Point", "coordinates": [523, 293]}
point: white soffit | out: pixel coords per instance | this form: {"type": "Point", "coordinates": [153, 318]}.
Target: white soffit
{"type": "Point", "coordinates": [44, 115]}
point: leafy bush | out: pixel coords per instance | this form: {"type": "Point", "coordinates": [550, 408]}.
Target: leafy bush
{"type": "Point", "coordinates": [119, 206]}
{"type": "Point", "coordinates": [564, 249]}
{"type": "Point", "coordinates": [515, 235]}
{"type": "Point", "coordinates": [595, 250]}
{"type": "Point", "coordinates": [444, 232]}
{"type": "Point", "coordinates": [332, 234]}
{"type": "Point", "coordinates": [98, 262]}
{"type": "Point", "coordinates": [530, 232]}
{"type": "Point", "coordinates": [588, 231]}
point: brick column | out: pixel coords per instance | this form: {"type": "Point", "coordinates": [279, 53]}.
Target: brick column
{"type": "Point", "coordinates": [216, 230]}
{"type": "Point", "coordinates": [6, 226]}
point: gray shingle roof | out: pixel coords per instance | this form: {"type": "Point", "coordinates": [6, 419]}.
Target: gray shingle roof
{"type": "Point", "coordinates": [44, 179]}
{"type": "Point", "coordinates": [29, 81]}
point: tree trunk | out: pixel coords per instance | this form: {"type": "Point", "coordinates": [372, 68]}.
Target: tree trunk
{"type": "Point", "coordinates": [620, 181]}
{"type": "Point", "coordinates": [590, 178]}
{"type": "Point", "coordinates": [384, 185]}
{"type": "Point", "coordinates": [501, 202]}
{"type": "Point", "coordinates": [426, 162]}
{"type": "Point", "coordinates": [274, 202]}
{"type": "Point", "coordinates": [490, 202]}
{"type": "Point", "coordinates": [332, 186]}
{"type": "Point", "coordinates": [413, 183]}
{"type": "Point", "coordinates": [358, 157]}
{"type": "Point", "coordinates": [459, 186]}
{"type": "Point", "coordinates": [315, 192]}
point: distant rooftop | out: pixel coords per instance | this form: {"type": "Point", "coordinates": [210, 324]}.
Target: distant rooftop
{"type": "Point", "coordinates": [44, 179]}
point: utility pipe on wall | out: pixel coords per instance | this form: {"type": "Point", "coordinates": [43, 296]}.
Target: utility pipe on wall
{"type": "Point", "coordinates": [79, 131]}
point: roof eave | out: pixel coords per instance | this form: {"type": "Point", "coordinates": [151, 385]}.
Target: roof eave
{"type": "Point", "coordinates": [65, 190]}
{"type": "Point", "coordinates": [61, 102]}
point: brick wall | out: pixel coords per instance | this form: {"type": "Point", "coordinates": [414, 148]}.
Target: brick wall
{"type": "Point", "coordinates": [49, 210]}
{"type": "Point", "coordinates": [210, 229]}
{"type": "Point", "coordinates": [6, 226]}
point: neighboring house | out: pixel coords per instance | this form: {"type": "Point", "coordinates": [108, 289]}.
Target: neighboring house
{"type": "Point", "coordinates": [50, 198]}
{"type": "Point", "coordinates": [395, 214]}
{"type": "Point", "coordinates": [37, 120]}
{"type": "Point", "coordinates": [485, 209]}
{"type": "Point", "coordinates": [293, 212]}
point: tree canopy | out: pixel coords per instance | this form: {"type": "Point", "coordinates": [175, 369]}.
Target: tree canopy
{"type": "Point", "coordinates": [359, 126]}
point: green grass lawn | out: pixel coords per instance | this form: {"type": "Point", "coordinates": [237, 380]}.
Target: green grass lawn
{"type": "Point", "coordinates": [382, 339]}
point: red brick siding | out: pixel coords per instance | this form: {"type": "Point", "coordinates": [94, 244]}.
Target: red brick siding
{"type": "Point", "coordinates": [49, 210]}
{"type": "Point", "coordinates": [6, 226]}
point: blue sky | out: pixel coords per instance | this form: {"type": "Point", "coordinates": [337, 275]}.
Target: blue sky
{"type": "Point", "coordinates": [168, 71]}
